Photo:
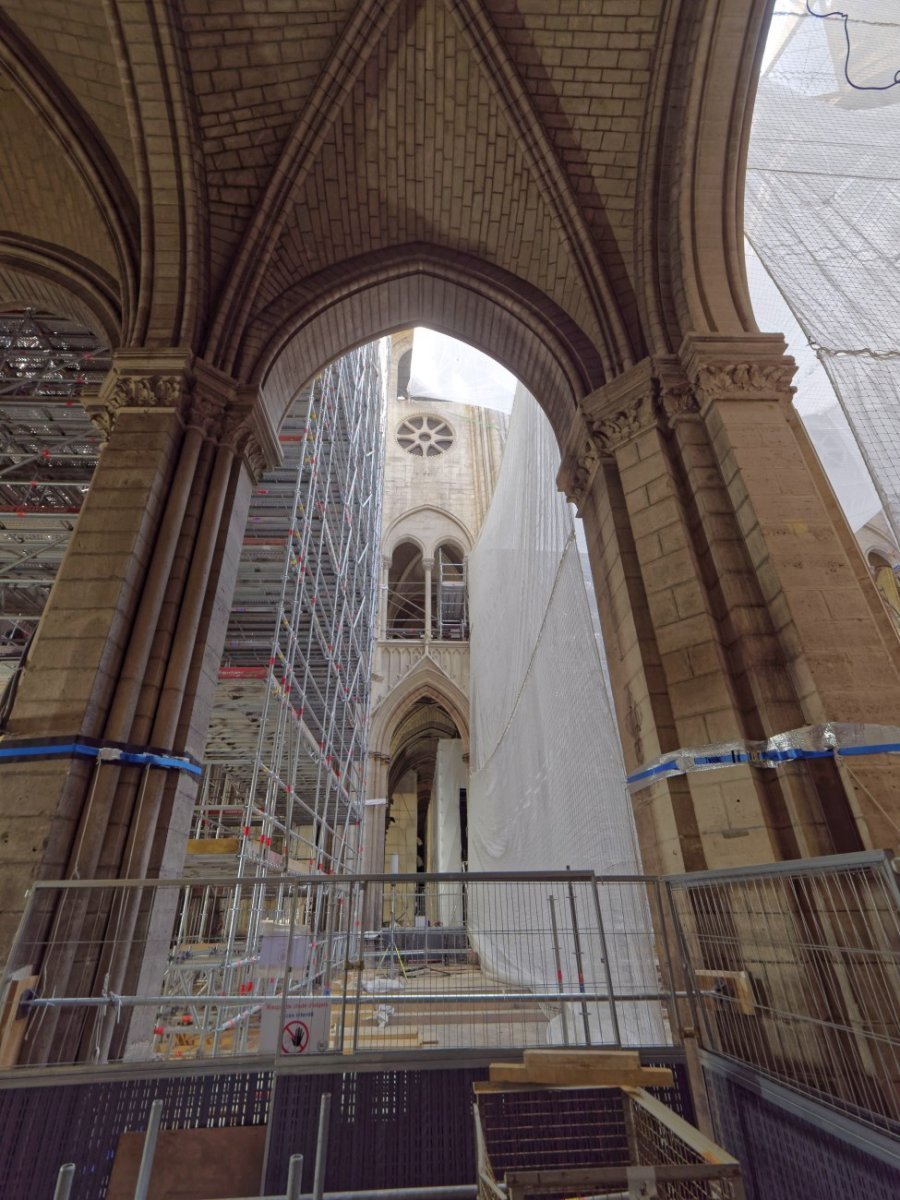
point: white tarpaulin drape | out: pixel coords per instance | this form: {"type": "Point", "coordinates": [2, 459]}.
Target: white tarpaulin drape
{"type": "Point", "coordinates": [822, 206]}
{"type": "Point", "coordinates": [547, 780]}
{"type": "Point", "coordinates": [443, 368]}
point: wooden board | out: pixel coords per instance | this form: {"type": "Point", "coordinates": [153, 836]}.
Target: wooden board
{"type": "Point", "coordinates": [192, 1164]}
{"type": "Point", "coordinates": [229, 845]}
{"type": "Point", "coordinates": [568, 1070]}
{"type": "Point", "coordinates": [737, 984]}
{"type": "Point", "coordinates": [610, 1059]}
{"type": "Point", "coordinates": [12, 1027]}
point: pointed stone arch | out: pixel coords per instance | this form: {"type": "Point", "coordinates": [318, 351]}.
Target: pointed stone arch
{"type": "Point", "coordinates": [422, 285]}
{"type": "Point", "coordinates": [426, 681]}
{"type": "Point", "coordinates": [689, 227]}
{"type": "Point", "coordinates": [402, 529]}
{"type": "Point", "coordinates": [83, 148]}
{"type": "Point", "coordinates": [35, 273]}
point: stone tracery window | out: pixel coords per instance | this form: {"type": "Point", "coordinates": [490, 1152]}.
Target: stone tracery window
{"type": "Point", "coordinates": [425, 436]}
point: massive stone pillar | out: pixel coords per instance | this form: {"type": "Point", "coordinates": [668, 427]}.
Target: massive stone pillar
{"type": "Point", "coordinates": [735, 606]}
{"type": "Point", "coordinates": [374, 829]}
{"type": "Point", "coordinates": [126, 657]}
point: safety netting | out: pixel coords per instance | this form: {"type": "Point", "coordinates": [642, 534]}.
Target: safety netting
{"type": "Point", "coordinates": [547, 780]}
{"type": "Point", "coordinates": [822, 212]}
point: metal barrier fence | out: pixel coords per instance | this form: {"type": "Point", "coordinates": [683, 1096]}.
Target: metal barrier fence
{"type": "Point", "coordinates": [553, 1143]}
{"type": "Point", "coordinates": [791, 969]}
{"type": "Point", "coordinates": [795, 971]}
{"type": "Point", "coordinates": [287, 967]}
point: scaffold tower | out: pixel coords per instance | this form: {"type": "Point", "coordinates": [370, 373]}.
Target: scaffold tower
{"type": "Point", "coordinates": [48, 451]}
{"type": "Point", "coordinates": [288, 742]}
{"type": "Point", "coordinates": [284, 784]}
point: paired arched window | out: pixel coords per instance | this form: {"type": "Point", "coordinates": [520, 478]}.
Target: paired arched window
{"type": "Point", "coordinates": [431, 599]}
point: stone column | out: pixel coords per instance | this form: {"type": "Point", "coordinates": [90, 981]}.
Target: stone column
{"type": "Point", "coordinates": [373, 835]}
{"type": "Point", "coordinates": [384, 583]}
{"type": "Point", "coordinates": [428, 565]}
{"type": "Point", "coordinates": [839, 657]}
{"type": "Point", "coordinates": [127, 654]}
{"type": "Point", "coordinates": [695, 584]}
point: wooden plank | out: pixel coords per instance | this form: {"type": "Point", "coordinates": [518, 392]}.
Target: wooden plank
{"type": "Point", "coordinates": [492, 1089]}
{"type": "Point", "coordinates": [738, 984]}
{"type": "Point", "coordinates": [12, 1028]}
{"type": "Point", "coordinates": [587, 1177]}
{"type": "Point", "coordinates": [595, 1077]}
{"type": "Point", "coordinates": [229, 845]}
{"type": "Point", "coordinates": [627, 1059]}
{"type": "Point", "coordinates": [509, 1073]}
{"type": "Point", "coordinates": [552, 1074]}
{"type": "Point", "coordinates": [404, 1043]}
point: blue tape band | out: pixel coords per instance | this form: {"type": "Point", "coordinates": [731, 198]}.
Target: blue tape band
{"type": "Point", "coordinates": [129, 758]}
{"type": "Point", "coordinates": [885, 748]}
{"type": "Point", "coordinates": [649, 772]}
{"type": "Point", "coordinates": [767, 757]}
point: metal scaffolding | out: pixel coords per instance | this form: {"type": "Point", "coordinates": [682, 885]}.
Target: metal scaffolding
{"type": "Point", "coordinates": [285, 781]}
{"type": "Point", "coordinates": [286, 753]}
{"type": "Point", "coordinates": [451, 606]}
{"type": "Point", "coordinates": [48, 451]}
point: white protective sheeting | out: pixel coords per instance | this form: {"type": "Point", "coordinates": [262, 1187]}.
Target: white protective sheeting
{"type": "Point", "coordinates": [449, 777]}
{"type": "Point", "coordinates": [444, 369]}
{"type": "Point", "coordinates": [816, 403]}
{"type": "Point", "coordinates": [822, 206]}
{"type": "Point", "coordinates": [547, 780]}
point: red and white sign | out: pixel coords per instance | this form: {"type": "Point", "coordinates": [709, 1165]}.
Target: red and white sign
{"type": "Point", "coordinates": [301, 1029]}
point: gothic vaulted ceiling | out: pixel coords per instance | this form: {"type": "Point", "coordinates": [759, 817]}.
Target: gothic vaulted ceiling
{"type": "Point", "coordinates": [222, 173]}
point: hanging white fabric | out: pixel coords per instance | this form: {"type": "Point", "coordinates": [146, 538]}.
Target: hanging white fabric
{"type": "Point", "coordinates": [547, 780]}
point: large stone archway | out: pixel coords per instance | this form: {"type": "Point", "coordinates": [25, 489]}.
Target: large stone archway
{"type": "Point", "coordinates": [242, 200]}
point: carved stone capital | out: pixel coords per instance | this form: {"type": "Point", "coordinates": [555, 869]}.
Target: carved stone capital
{"type": "Point", "coordinates": [624, 422]}
{"type": "Point", "coordinates": [654, 392]}
{"type": "Point", "coordinates": [203, 397]}
{"type": "Point", "coordinates": [752, 367]}
{"type": "Point", "coordinates": [675, 395]}
{"type": "Point", "coordinates": [150, 391]}
{"type": "Point", "coordinates": [248, 431]}
{"type": "Point", "coordinates": [142, 380]}
{"type": "Point", "coordinates": [622, 408]}
{"type": "Point", "coordinates": [238, 433]}
{"type": "Point", "coordinates": [580, 460]}
{"type": "Point", "coordinates": [213, 398]}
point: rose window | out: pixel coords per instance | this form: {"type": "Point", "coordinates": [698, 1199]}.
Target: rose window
{"type": "Point", "coordinates": [425, 436]}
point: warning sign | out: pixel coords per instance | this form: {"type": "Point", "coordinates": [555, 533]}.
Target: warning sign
{"type": "Point", "coordinates": [294, 1037]}
{"type": "Point", "coordinates": [301, 1029]}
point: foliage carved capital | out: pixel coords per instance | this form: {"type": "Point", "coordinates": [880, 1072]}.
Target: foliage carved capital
{"type": "Point", "coordinates": [745, 381]}
{"type": "Point", "coordinates": [745, 367]}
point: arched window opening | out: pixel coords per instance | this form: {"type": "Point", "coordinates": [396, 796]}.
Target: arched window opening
{"type": "Point", "coordinates": [450, 606]}
{"type": "Point", "coordinates": [404, 367]}
{"type": "Point", "coordinates": [427, 779]}
{"type": "Point", "coordinates": [406, 593]}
